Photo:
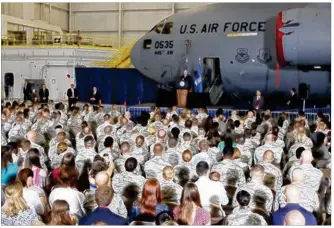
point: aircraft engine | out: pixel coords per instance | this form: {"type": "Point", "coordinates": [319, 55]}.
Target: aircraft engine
{"type": "Point", "coordinates": [303, 37]}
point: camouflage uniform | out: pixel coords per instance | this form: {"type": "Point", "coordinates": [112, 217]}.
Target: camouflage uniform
{"type": "Point", "coordinates": [240, 216]}
{"type": "Point", "coordinates": [309, 199]}
{"type": "Point", "coordinates": [279, 143]}
{"type": "Point", "coordinates": [186, 167]}
{"type": "Point", "coordinates": [42, 126]}
{"type": "Point", "coordinates": [201, 116]}
{"type": "Point", "coordinates": [63, 117]}
{"type": "Point", "coordinates": [121, 180]}
{"type": "Point", "coordinates": [259, 152]}
{"type": "Point", "coordinates": [202, 156]}
{"type": "Point", "coordinates": [120, 164]}
{"type": "Point", "coordinates": [260, 190]}
{"type": "Point", "coordinates": [114, 113]}
{"type": "Point", "coordinates": [245, 153]}
{"type": "Point", "coordinates": [276, 172]}
{"type": "Point", "coordinates": [109, 155]}
{"type": "Point", "coordinates": [57, 158]}
{"type": "Point", "coordinates": [27, 124]}
{"type": "Point", "coordinates": [150, 140]}
{"type": "Point", "coordinates": [249, 145]}
{"type": "Point", "coordinates": [256, 139]}
{"type": "Point", "coordinates": [101, 146]}
{"type": "Point", "coordinates": [5, 127]}
{"type": "Point", "coordinates": [90, 117]}
{"type": "Point", "coordinates": [3, 139]}
{"type": "Point", "coordinates": [215, 154]}
{"type": "Point", "coordinates": [228, 169]}
{"type": "Point", "coordinates": [74, 122]}
{"type": "Point", "coordinates": [153, 167]}
{"type": "Point", "coordinates": [99, 118]}
{"type": "Point", "coordinates": [313, 175]}
{"type": "Point", "coordinates": [157, 124]}
{"type": "Point", "coordinates": [294, 147]}
{"type": "Point", "coordinates": [141, 151]}
{"type": "Point", "coordinates": [100, 129]}
{"type": "Point", "coordinates": [171, 192]}
{"type": "Point", "coordinates": [17, 131]}
{"type": "Point", "coordinates": [83, 155]}
{"type": "Point", "coordinates": [172, 156]}
{"type": "Point", "coordinates": [186, 146]}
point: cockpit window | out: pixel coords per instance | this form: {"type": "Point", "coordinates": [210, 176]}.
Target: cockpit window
{"type": "Point", "coordinates": [158, 28]}
{"type": "Point", "coordinates": [167, 28]}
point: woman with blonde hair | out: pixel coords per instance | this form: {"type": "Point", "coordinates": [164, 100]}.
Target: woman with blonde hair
{"type": "Point", "coordinates": [60, 214]}
{"type": "Point", "coordinates": [151, 138]}
{"type": "Point", "coordinates": [15, 211]}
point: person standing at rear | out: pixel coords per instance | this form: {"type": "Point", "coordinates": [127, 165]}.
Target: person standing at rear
{"type": "Point", "coordinates": [72, 94]}
{"type": "Point", "coordinates": [44, 94]}
{"type": "Point", "coordinates": [27, 91]}
{"type": "Point", "coordinates": [293, 100]}
{"type": "Point", "coordinates": [258, 101]}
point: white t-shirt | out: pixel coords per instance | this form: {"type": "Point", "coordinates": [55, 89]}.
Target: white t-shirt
{"type": "Point", "coordinates": [73, 197]}
{"type": "Point", "coordinates": [33, 200]}
{"type": "Point", "coordinates": [217, 194]}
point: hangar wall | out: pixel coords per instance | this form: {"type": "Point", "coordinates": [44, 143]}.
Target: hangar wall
{"type": "Point", "coordinates": [117, 23]}
{"type": "Point", "coordinates": [49, 64]}
{"type": "Point", "coordinates": [55, 13]}
{"type": "Point", "coordinates": [110, 23]}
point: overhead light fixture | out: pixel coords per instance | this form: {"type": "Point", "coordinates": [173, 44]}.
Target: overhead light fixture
{"type": "Point", "coordinates": [317, 67]}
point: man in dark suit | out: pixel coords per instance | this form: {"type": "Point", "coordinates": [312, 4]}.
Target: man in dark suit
{"type": "Point", "coordinates": [27, 91]}
{"type": "Point", "coordinates": [95, 97]}
{"type": "Point", "coordinates": [183, 86]}
{"type": "Point", "coordinates": [72, 94]}
{"type": "Point", "coordinates": [44, 94]}
{"type": "Point", "coordinates": [258, 101]}
{"type": "Point", "coordinates": [293, 100]}
{"type": "Point", "coordinates": [103, 197]}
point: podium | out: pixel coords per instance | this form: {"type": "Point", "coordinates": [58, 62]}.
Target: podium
{"type": "Point", "coordinates": [182, 95]}
{"type": "Point", "coordinates": [182, 88]}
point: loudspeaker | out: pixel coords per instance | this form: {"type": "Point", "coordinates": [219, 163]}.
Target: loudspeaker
{"type": "Point", "coordinates": [9, 79]}
{"type": "Point", "coordinates": [303, 90]}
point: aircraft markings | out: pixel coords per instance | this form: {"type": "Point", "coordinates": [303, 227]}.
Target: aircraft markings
{"type": "Point", "coordinates": [240, 27]}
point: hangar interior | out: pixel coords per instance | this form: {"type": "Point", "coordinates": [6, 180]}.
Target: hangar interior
{"type": "Point", "coordinates": [32, 31]}
{"type": "Point", "coordinates": [113, 24]}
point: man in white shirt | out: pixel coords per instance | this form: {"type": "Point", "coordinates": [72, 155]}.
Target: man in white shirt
{"type": "Point", "coordinates": [212, 193]}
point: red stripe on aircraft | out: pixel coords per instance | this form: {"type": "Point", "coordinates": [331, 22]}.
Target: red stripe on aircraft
{"type": "Point", "coordinates": [279, 40]}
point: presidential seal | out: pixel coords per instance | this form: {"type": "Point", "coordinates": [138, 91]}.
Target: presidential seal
{"type": "Point", "coordinates": [182, 83]}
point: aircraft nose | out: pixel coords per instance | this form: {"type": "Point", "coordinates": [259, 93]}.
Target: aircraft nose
{"type": "Point", "coordinates": [135, 54]}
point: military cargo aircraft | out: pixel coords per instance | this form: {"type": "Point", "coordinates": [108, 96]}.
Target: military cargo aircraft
{"type": "Point", "coordinates": [243, 47]}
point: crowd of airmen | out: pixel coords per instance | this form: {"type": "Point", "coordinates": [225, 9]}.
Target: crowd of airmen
{"type": "Point", "coordinates": [255, 153]}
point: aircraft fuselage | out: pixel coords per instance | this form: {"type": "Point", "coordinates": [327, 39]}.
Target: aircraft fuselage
{"type": "Point", "coordinates": [243, 38]}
